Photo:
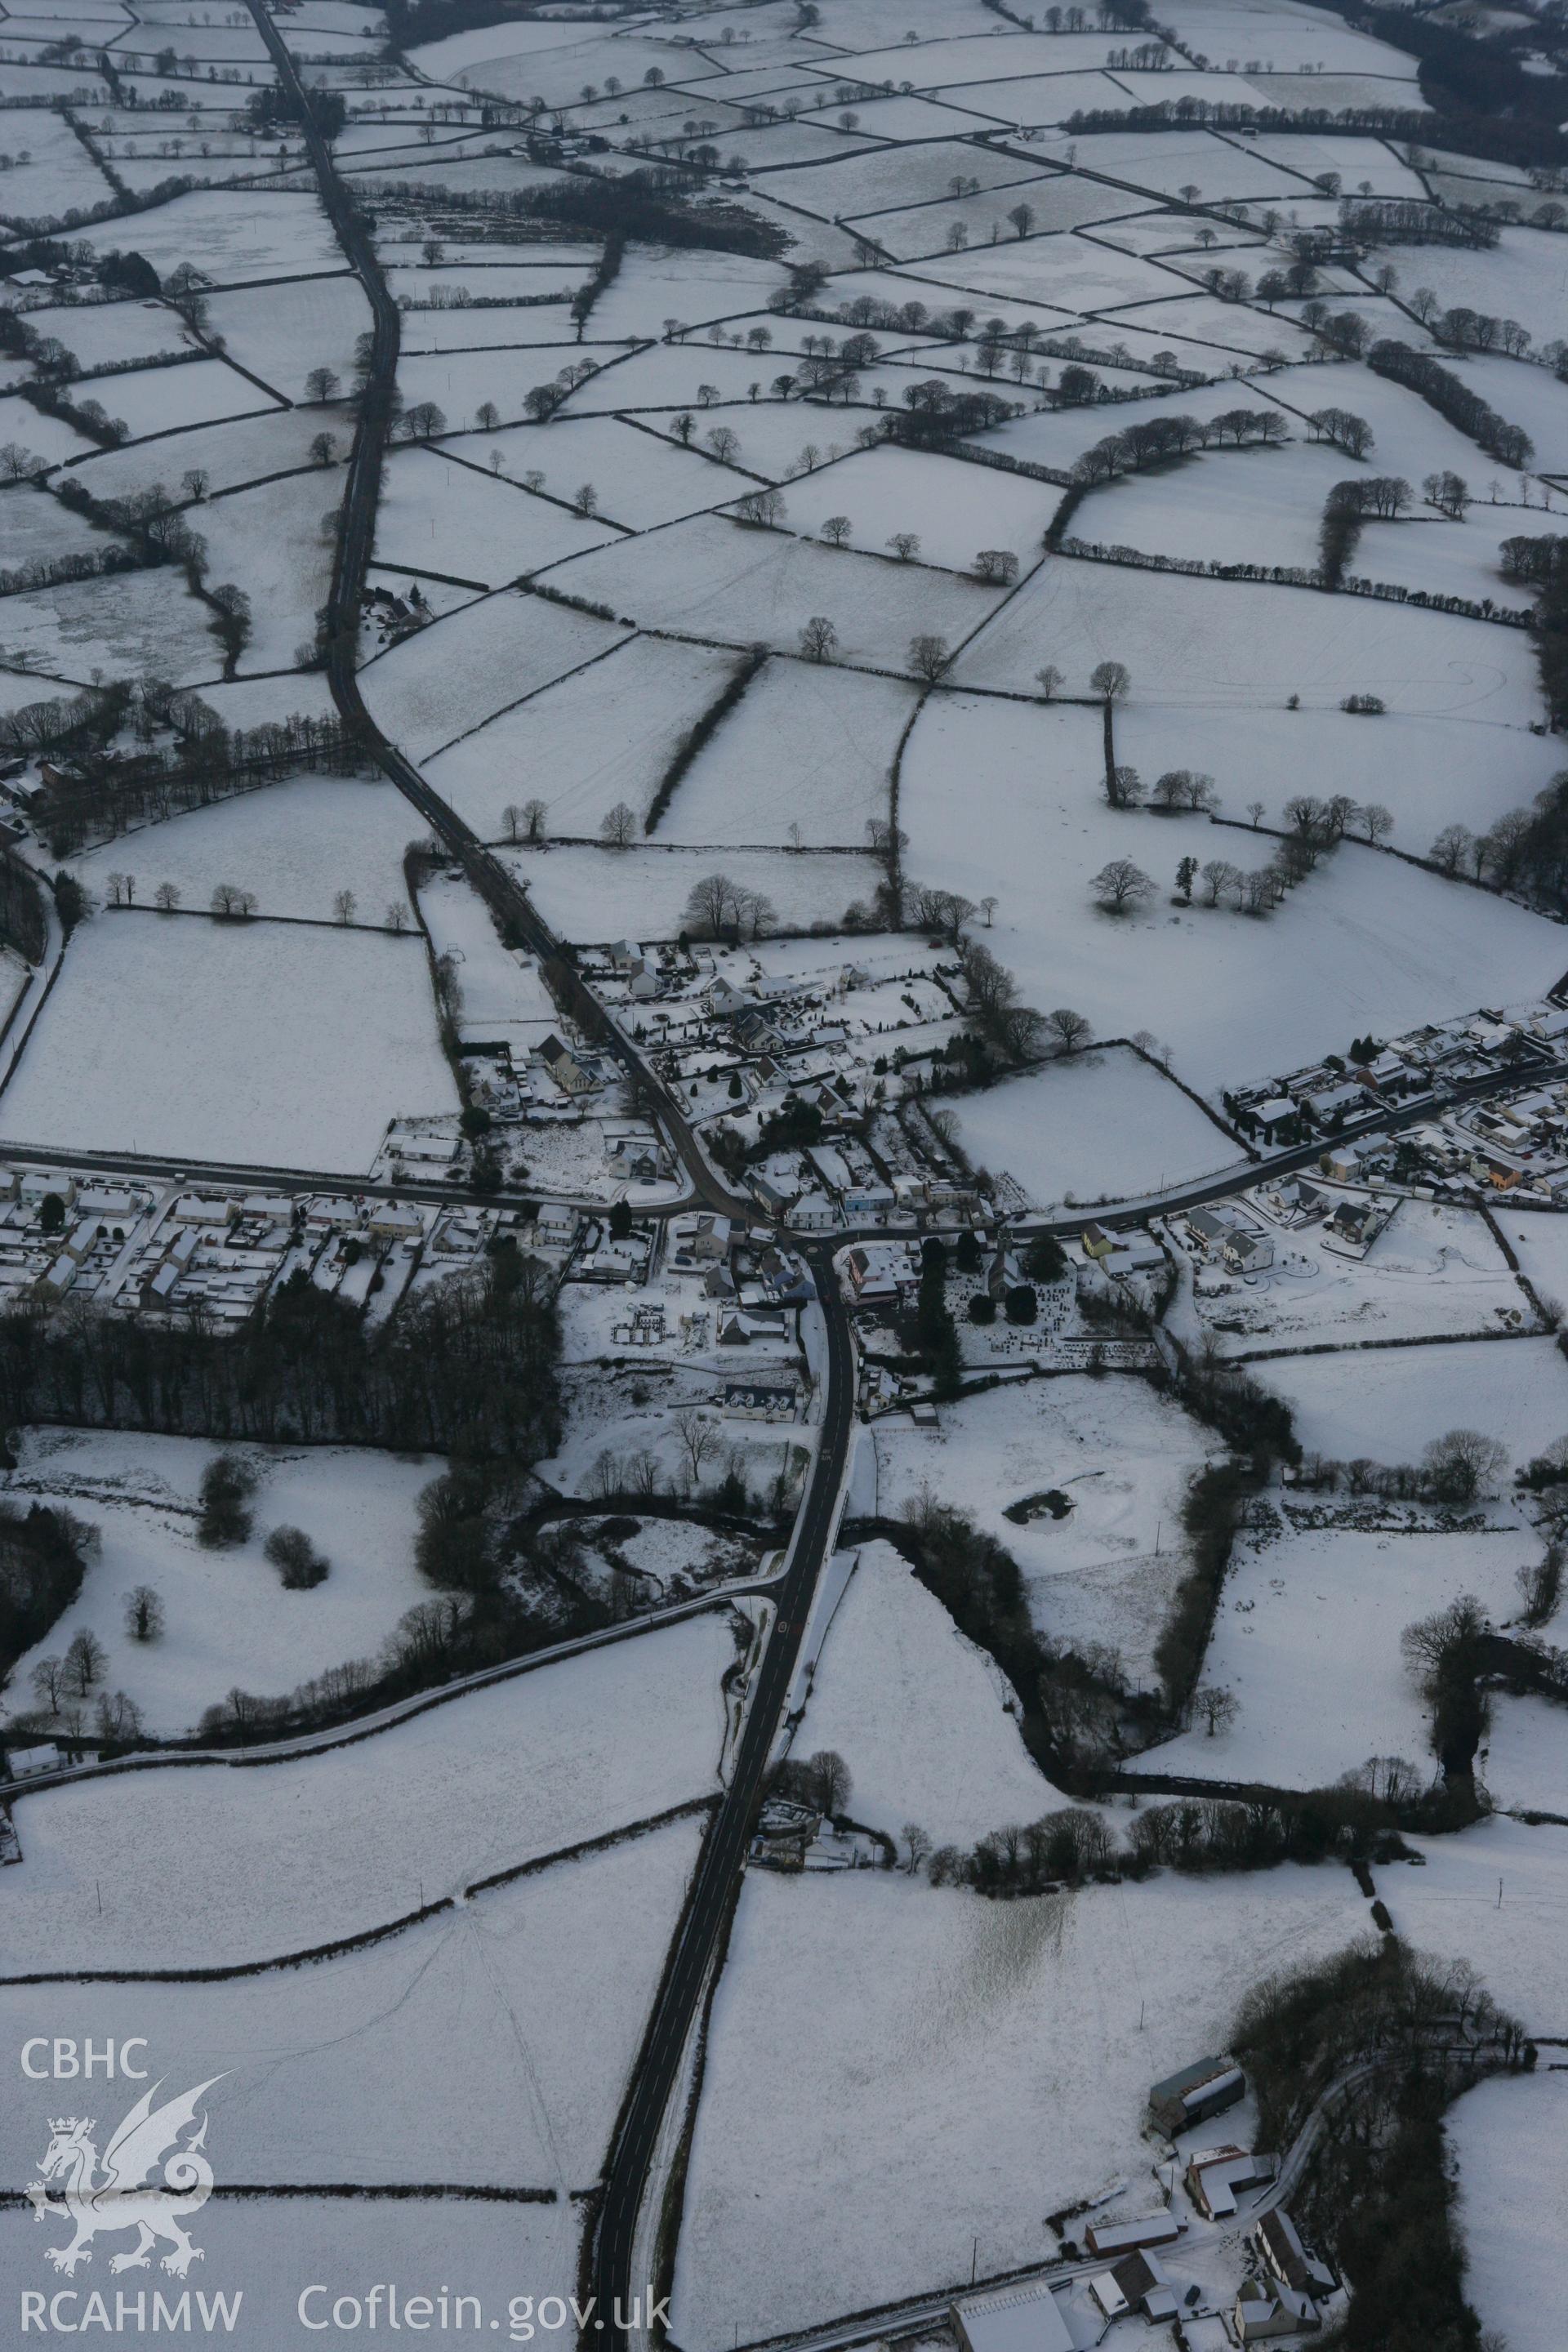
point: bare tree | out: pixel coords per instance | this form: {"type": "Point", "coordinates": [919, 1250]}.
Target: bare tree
{"type": "Point", "coordinates": [511, 817]}
{"type": "Point", "coordinates": [1463, 1464]}
{"type": "Point", "coordinates": [916, 1846]}
{"type": "Point", "coordinates": [618, 827]}
{"type": "Point", "coordinates": [396, 916]}
{"type": "Point", "coordinates": [143, 1613]}
{"type": "Point", "coordinates": [1051, 681]}
{"type": "Point", "coordinates": [1120, 886]}
{"type": "Point", "coordinates": [818, 638]}
{"type": "Point", "coordinates": [830, 1784]}
{"type": "Point", "coordinates": [487, 416]}
{"type": "Point", "coordinates": [1110, 680]}
{"type": "Point", "coordinates": [84, 1663]}
{"type": "Point", "coordinates": [534, 813]}
{"type": "Point", "coordinates": [905, 544]}
{"type": "Point", "coordinates": [928, 656]}
{"type": "Point", "coordinates": [166, 897]}
{"type": "Point", "coordinates": [1216, 1708]}
{"type": "Point", "coordinates": [700, 1439]}
{"type": "Point", "coordinates": [48, 1681]}
{"type": "Point", "coordinates": [321, 385]}
{"type": "Point", "coordinates": [344, 906]}
{"type": "Point", "coordinates": [1069, 1029]}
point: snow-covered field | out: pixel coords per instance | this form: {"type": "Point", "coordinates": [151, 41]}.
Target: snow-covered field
{"type": "Point", "coordinates": [489, 2045]}
{"type": "Point", "coordinates": [295, 844]}
{"type": "Point", "coordinates": [127, 625]}
{"type": "Point", "coordinates": [281, 332]}
{"type": "Point", "coordinates": [1118, 1452]}
{"type": "Point", "coordinates": [1307, 1638]}
{"type": "Point", "coordinates": [1096, 1127]}
{"type": "Point", "coordinates": [448, 679]}
{"type": "Point", "coordinates": [1230, 644]}
{"type": "Point", "coordinates": [442, 515]}
{"type": "Point", "coordinates": [227, 1617]}
{"type": "Point", "coordinates": [1008, 799]}
{"type": "Point", "coordinates": [1507, 2136]}
{"type": "Point", "coordinates": [925, 1721]}
{"type": "Point", "coordinates": [841, 730]}
{"type": "Point", "coordinates": [269, 1044]}
{"type": "Point", "coordinates": [226, 1863]}
{"type": "Point", "coordinates": [1390, 1403]}
{"type": "Point", "coordinates": [276, 543]}
{"type": "Point", "coordinates": [601, 735]}
{"type": "Point", "coordinates": [593, 894]}
{"type": "Point", "coordinates": [716, 579]}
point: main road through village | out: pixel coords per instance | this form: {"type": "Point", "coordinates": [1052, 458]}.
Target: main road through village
{"type": "Point", "coordinates": [716, 1885]}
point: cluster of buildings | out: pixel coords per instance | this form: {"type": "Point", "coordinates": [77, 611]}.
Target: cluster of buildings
{"type": "Point", "coordinates": [1479, 1139]}
{"type": "Point", "coordinates": [548, 1081]}
{"type": "Point", "coordinates": [60, 1233]}
{"type": "Point", "coordinates": [178, 1251]}
{"type": "Point", "coordinates": [749, 1046]}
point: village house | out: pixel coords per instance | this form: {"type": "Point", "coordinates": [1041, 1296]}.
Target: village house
{"type": "Point", "coordinates": [1263, 2312]}
{"type": "Point", "coordinates": [1279, 2243]}
{"type": "Point", "coordinates": [568, 1073]}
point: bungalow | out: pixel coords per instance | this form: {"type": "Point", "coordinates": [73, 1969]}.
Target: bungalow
{"type": "Point", "coordinates": [1096, 1242]}
{"type": "Point", "coordinates": [42, 1757]}
{"type": "Point", "coordinates": [761, 1399]}
{"type": "Point", "coordinates": [1270, 1116]}
{"type": "Point", "coordinates": [1190, 2096]}
{"type": "Point", "coordinates": [1217, 2177]}
{"type": "Point", "coordinates": [740, 1326]}
{"type": "Point", "coordinates": [1330, 1102]}
{"type": "Point", "coordinates": [1019, 2320]}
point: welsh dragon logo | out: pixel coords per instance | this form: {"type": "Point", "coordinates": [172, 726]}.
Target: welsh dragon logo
{"type": "Point", "coordinates": [147, 2182]}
